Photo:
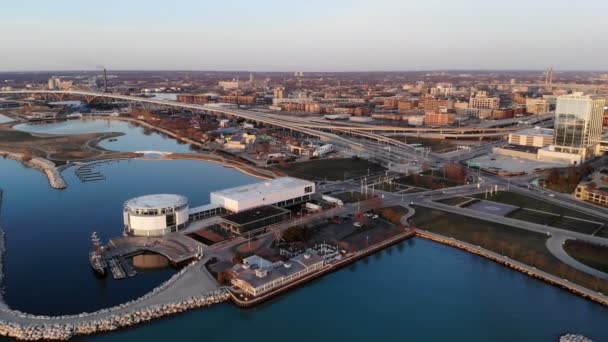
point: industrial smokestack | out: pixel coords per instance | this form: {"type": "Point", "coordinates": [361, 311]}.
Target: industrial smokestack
{"type": "Point", "coordinates": [105, 81]}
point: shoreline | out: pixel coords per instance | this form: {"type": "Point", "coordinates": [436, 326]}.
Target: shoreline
{"type": "Point", "coordinates": [533, 272]}
{"type": "Point", "coordinates": [43, 165]}
{"type": "Point", "coordinates": [324, 271]}
{"type": "Point", "coordinates": [56, 180]}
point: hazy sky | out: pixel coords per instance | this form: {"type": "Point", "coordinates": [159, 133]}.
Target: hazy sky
{"type": "Point", "coordinates": [307, 35]}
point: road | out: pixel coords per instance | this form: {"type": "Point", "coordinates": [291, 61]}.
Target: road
{"type": "Point", "coordinates": [555, 244]}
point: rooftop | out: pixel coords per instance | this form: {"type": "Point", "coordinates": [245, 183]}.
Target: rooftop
{"type": "Point", "coordinates": [156, 201]}
{"type": "Point", "coordinates": [261, 188]}
{"type": "Point", "coordinates": [255, 214]}
{"type": "Point", "coordinates": [536, 131]}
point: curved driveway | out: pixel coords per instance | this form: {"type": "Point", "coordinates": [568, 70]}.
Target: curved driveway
{"type": "Point", "coordinates": [555, 245]}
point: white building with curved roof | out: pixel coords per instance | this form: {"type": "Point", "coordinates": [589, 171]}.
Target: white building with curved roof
{"type": "Point", "coordinates": [155, 215]}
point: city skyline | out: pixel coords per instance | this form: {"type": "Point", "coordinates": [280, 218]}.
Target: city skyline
{"type": "Point", "coordinates": [317, 36]}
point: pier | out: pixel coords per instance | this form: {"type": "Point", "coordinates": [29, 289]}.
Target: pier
{"type": "Point", "coordinates": [86, 174]}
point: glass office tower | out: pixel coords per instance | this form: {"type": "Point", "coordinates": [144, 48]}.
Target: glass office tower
{"type": "Point", "coordinates": [578, 124]}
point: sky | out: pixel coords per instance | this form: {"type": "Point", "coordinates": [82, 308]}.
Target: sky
{"type": "Point", "coordinates": [303, 35]}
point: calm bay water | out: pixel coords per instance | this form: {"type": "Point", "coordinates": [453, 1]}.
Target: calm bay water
{"type": "Point", "coordinates": [136, 138]}
{"type": "Point", "coordinates": [48, 231]}
{"type": "Point", "coordinates": [4, 119]}
{"type": "Point", "coordinates": [415, 291]}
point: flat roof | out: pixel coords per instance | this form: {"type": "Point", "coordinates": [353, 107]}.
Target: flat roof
{"type": "Point", "coordinates": [203, 208]}
{"type": "Point", "coordinates": [156, 201]}
{"type": "Point", "coordinates": [279, 270]}
{"type": "Point", "coordinates": [536, 131]}
{"type": "Point", "coordinates": [255, 214]}
{"type": "Point", "coordinates": [521, 148]}
{"type": "Point", "coordinates": [258, 189]}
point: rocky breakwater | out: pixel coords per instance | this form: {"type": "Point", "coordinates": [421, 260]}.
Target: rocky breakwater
{"type": "Point", "coordinates": [24, 326]}
{"type": "Point", "coordinates": [65, 331]}
{"type": "Point", "coordinates": [45, 166]}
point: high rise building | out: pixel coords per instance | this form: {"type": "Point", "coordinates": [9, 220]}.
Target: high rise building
{"type": "Point", "coordinates": [578, 127]}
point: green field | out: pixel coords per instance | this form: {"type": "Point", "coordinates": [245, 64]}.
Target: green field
{"type": "Point", "coordinates": [594, 256]}
{"type": "Point", "coordinates": [426, 181]}
{"type": "Point", "coordinates": [533, 216]}
{"type": "Point", "coordinates": [524, 201]}
{"type": "Point", "coordinates": [392, 214]}
{"type": "Point", "coordinates": [603, 233]}
{"type": "Point", "coordinates": [576, 225]}
{"type": "Point", "coordinates": [519, 244]}
{"type": "Point", "coordinates": [331, 169]}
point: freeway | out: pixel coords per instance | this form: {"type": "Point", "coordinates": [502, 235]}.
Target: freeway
{"type": "Point", "coordinates": [274, 119]}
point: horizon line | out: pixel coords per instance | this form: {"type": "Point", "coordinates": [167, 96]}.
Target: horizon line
{"type": "Point", "coordinates": [292, 71]}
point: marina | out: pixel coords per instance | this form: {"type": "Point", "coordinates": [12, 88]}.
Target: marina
{"type": "Point", "coordinates": [86, 174]}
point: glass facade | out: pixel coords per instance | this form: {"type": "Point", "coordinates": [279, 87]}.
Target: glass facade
{"type": "Point", "coordinates": [578, 123]}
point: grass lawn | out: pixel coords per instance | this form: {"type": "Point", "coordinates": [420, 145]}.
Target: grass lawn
{"type": "Point", "coordinates": [392, 214]}
{"type": "Point", "coordinates": [454, 200]}
{"type": "Point", "coordinates": [524, 201]}
{"type": "Point", "coordinates": [533, 216]}
{"type": "Point", "coordinates": [595, 256]}
{"type": "Point", "coordinates": [519, 244]}
{"type": "Point", "coordinates": [426, 181]}
{"type": "Point", "coordinates": [331, 169]}
{"type": "Point", "coordinates": [576, 225]}
{"type": "Point", "coordinates": [16, 136]}
{"type": "Point", "coordinates": [603, 233]}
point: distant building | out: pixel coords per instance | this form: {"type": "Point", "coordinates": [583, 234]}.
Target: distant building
{"type": "Point", "coordinates": [197, 99]}
{"type": "Point", "coordinates": [578, 128]}
{"type": "Point", "coordinates": [537, 106]}
{"type": "Point", "coordinates": [279, 92]}
{"type": "Point", "coordinates": [230, 85]}
{"type": "Point", "coordinates": [481, 101]}
{"type": "Point", "coordinates": [57, 83]}
{"type": "Point", "coordinates": [441, 117]}
{"type": "Point", "coordinates": [432, 103]}
{"type": "Point", "coordinates": [442, 90]}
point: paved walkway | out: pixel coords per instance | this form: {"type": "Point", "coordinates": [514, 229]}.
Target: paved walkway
{"type": "Point", "coordinates": [555, 244]}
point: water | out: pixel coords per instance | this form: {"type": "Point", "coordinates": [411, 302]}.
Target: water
{"type": "Point", "coordinates": [136, 138]}
{"type": "Point", "coordinates": [48, 231]}
{"type": "Point", "coordinates": [4, 119]}
{"type": "Point", "coordinates": [415, 291]}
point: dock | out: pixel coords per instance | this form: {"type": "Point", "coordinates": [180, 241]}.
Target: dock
{"type": "Point", "coordinates": [86, 174]}
{"type": "Point", "coordinates": [127, 267]}
{"type": "Point", "coordinates": [117, 271]}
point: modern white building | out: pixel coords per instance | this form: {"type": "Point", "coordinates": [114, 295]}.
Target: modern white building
{"type": "Point", "coordinates": [155, 215]}
{"type": "Point", "coordinates": [280, 192]}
